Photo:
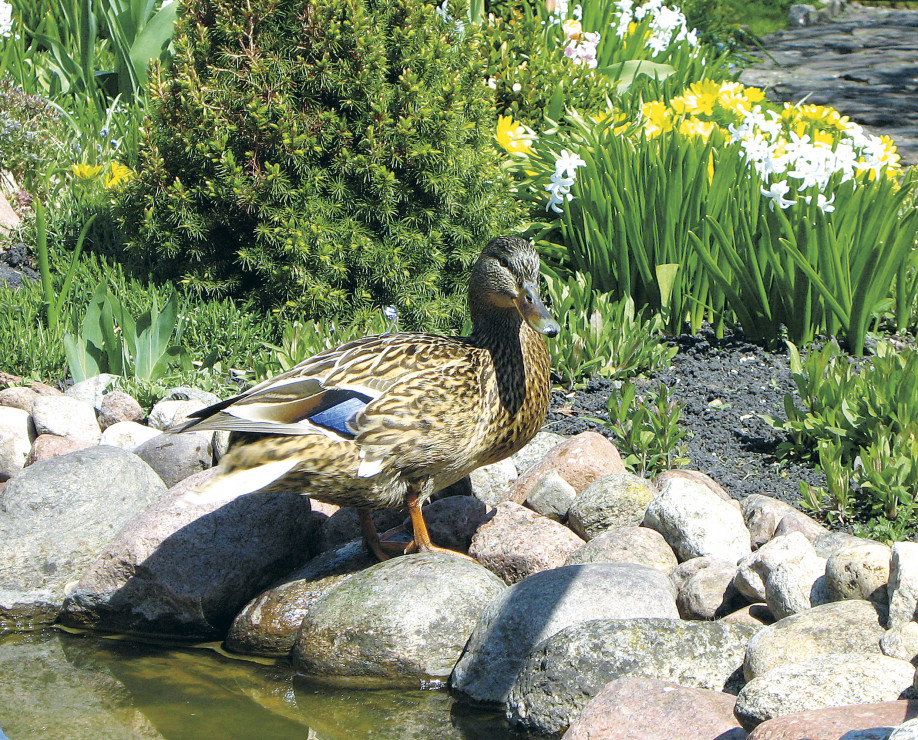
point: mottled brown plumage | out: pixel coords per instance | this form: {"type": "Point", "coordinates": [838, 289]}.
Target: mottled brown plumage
{"type": "Point", "coordinates": [386, 421]}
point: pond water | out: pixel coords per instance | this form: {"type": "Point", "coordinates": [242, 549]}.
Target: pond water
{"type": "Point", "coordinates": [56, 685]}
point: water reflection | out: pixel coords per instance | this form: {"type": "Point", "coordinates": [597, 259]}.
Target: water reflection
{"type": "Point", "coordinates": [57, 685]}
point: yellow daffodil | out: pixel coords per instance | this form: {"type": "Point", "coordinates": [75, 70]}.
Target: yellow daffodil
{"type": "Point", "coordinates": [702, 97]}
{"type": "Point", "coordinates": [512, 136]}
{"type": "Point", "coordinates": [696, 127]}
{"type": "Point", "coordinates": [86, 171]}
{"type": "Point", "coordinates": [823, 138]}
{"type": "Point", "coordinates": [657, 118]}
{"type": "Point", "coordinates": [119, 174]}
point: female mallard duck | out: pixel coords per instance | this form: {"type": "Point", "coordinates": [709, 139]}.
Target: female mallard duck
{"type": "Point", "coordinates": [385, 421]}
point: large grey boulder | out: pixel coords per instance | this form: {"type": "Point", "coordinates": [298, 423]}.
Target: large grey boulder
{"type": "Point", "coordinates": [616, 500]}
{"type": "Point", "coordinates": [401, 621]}
{"type": "Point", "coordinates": [268, 624]}
{"type": "Point", "coordinates": [56, 516]}
{"type": "Point", "coordinates": [851, 627]}
{"type": "Point", "coordinates": [92, 390]}
{"type": "Point", "coordinates": [491, 483]}
{"type": "Point", "coordinates": [184, 569]}
{"type": "Point", "coordinates": [627, 545]}
{"type": "Point", "coordinates": [763, 516]}
{"type": "Point", "coordinates": [545, 603]}
{"type": "Point", "coordinates": [824, 681]}
{"type": "Point", "coordinates": [649, 709]}
{"type": "Point", "coordinates": [565, 671]}
{"type": "Point", "coordinates": [696, 521]}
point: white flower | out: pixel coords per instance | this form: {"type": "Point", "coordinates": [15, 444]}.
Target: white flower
{"type": "Point", "coordinates": [391, 313]}
{"type": "Point", "coordinates": [567, 163]}
{"type": "Point", "coordinates": [825, 205]}
{"type": "Point", "coordinates": [6, 19]}
{"type": "Point", "coordinates": [776, 192]}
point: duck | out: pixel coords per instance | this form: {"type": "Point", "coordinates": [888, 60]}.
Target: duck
{"type": "Point", "coordinates": [386, 421]}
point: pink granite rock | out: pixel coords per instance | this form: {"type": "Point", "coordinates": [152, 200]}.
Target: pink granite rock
{"type": "Point", "coordinates": [517, 542]}
{"type": "Point", "coordinates": [835, 723]}
{"type": "Point", "coordinates": [638, 708]}
{"type": "Point", "coordinates": [51, 445]}
{"type": "Point", "coordinates": [118, 406]}
{"type": "Point", "coordinates": [580, 460]}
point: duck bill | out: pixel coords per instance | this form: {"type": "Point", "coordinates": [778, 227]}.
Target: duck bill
{"type": "Point", "coordinates": [534, 312]}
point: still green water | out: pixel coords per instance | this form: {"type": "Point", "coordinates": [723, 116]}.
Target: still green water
{"type": "Point", "coordinates": [55, 685]}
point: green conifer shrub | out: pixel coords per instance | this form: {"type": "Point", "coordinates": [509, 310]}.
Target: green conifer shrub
{"type": "Point", "coordinates": [332, 156]}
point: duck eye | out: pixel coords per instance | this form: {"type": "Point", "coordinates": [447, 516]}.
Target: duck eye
{"type": "Point", "coordinates": [504, 262]}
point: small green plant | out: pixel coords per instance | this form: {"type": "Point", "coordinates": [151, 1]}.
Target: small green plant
{"type": "Point", "coordinates": [111, 341]}
{"type": "Point", "coordinates": [646, 429]}
{"type": "Point", "coordinates": [858, 425]}
{"type": "Point", "coordinates": [602, 338]}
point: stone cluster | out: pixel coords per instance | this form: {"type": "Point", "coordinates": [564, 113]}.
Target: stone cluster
{"type": "Point", "coordinates": [598, 604]}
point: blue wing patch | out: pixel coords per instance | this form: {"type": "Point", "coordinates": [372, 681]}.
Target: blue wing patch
{"type": "Point", "coordinates": [339, 416]}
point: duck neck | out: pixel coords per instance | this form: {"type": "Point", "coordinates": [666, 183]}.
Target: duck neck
{"type": "Point", "coordinates": [519, 356]}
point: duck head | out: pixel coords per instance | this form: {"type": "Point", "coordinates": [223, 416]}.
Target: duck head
{"type": "Point", "coordinates": [506, 279]}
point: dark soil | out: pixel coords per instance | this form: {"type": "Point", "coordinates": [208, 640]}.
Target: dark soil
{"type": "Point", "coordinates": [726, 385]}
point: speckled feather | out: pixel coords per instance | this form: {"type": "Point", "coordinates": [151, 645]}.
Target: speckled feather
{"type": "Point", "coordinates": [436, 407]}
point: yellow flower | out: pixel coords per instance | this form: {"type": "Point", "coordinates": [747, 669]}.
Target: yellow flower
{"type": "Point", "coordinates": [702, 97]}
{"type": "Point", "coordinates": [710, 167]}
{"type": "Point", "coordinates": [823, 138]}
{"type": "Point", "coordinates": [512, 136]}
{"type": "Point", "coordinates": [86, 171]}
{"type": "Point", "coordinates": [695, 127]}
{"type": "Point", "coordinates": [119, 174]}
{"type": "Point", "coordinates": [572, 29]}
{"type": "Point", "coordinates": [657, 118]}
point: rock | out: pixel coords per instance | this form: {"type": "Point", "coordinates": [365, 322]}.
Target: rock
{"type": "Point", "coordinates": [579, 460]}
{"type": "Point", "coordinates": [175, 457]}
{"type": "Point", "coordinates": [695, 521]}
{"type": "Point", "coordinates": [64, 416]}
{"type": "Point", "coordinates": [56, 517]}
{"type": "Point", "coordinates": [18, 397]}
{"type": "Point", "coordinates": [116, 407]}
{"type": "Point", "coordinates": [754, 569]}
{"type": "Point", "coordinates": [565, 671]}
{"type": "Point", "coordinates": [858, 722]}
{"type": "Point", "coordinates": [453, 521]}
{"type": "Point", "coordinates": [545, 603]}
{"type": "Point", "coordinates": [650, 709]}
{"type": "Point", "coordinates": [88, 701]}
{"type": "Point", "coordinates": [190, 393]}
{"type": "Point", "coordinates": [16, 435]}
{"type": "Point", "coordinates": [906, 731]}
{"type": "Point", "coordinates": [128, 435]}
{"type": "Point", "coordinates": [491, 483]}
{"type": "Point", "coordinates": [796, 585]}
{"type": "Point", "coordinates": [763, 514]}
{"type": "Point", "coordinates": [753, 614]}
{"type": "Point", "coordinates": [903, 583]}
{"type": "Point", "coordinates": [533, 452]}
{"type": "Point", "coordinates": [824, 681]}
{"type": "Point", "coordinates": [268, 624]}
{"type": "Point", "coordinates": [50, 445]}
{"type": "Point", "coordinates": [166, 414]}
{"type": "Point", "coordinates": [9, 219]}
{"type": "Point", "coordinates": [831, 542]}
{"type": "Point", "coordinates": [401, 620]}
{"type": "Point", "coordinates": [802, 15]}
{"type": "Point", "coordinates": [694, 475]}
{"type": "Point", "coordinates": [517, 542]}
{"type": "Point", "coordinates": [850, 627]}
{"type": "Point", "coordinates": [183, 569]}
{"type": "Point", "coordinates": [552, 496]}
{"type": "Point", "coordinates": [627, 545]}
{"type": "Point", "coordinates": [901, 641]}
{"type": "Point", "coordinates": [616, 500]}
{"type": "Point", "coordinates": [344, 526]}
{"type": "Point", "coordinates": [709, 592]}
{"type": "Point", "coordinates": [860, 572]}
{"type": "Point", "coordinates": [92, 390]}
